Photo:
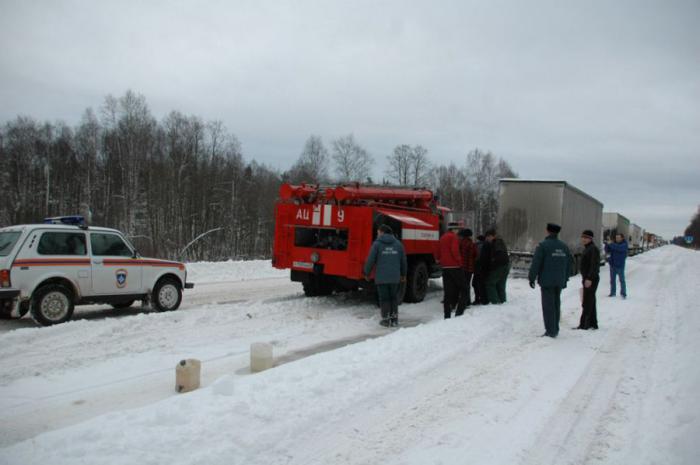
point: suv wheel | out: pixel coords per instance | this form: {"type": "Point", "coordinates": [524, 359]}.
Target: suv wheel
{"type": "Point", "coordinates": [52, 304]}
{"type": "Point", "coordinates": [167, 295]}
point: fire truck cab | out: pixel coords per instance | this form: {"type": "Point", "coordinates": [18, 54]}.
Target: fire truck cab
{"type": "Point", "coordinates": [323, 234]}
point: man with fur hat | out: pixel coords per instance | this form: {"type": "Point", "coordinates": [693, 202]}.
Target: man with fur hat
{"type": "Point", "coordinates": [551, 267]}
{"type": "Point", "coordinates": [590, 274]}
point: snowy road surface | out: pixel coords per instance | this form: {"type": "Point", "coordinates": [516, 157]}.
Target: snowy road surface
{"type": "Point", "coordinates": [478, 389]}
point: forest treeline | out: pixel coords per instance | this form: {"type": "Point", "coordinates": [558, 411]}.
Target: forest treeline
{"type": "Point", "coordinates": [165, 183]}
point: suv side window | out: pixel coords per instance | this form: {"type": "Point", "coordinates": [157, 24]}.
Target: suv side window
{"type": "Point", "coordinates": [7, 241]}
{"type": "Point", "coordinates": [109, 245]}
{"type": "Point", "coordinates": [62, 243]}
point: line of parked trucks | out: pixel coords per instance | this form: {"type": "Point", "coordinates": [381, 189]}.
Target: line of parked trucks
{"type": "Point", "coordinates": [526, 206]}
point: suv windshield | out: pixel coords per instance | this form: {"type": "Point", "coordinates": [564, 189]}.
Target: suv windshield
{"type": "Point", "coordinates": [7, 241]}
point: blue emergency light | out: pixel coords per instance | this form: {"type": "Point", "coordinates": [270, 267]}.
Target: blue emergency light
{"type": "Point", "coordinates": [75, 220]}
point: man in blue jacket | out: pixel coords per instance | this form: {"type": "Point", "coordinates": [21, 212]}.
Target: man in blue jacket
{"type": "Point", "coordinates": [551, 267]}
{"type": "Point", "coordinates": [388, 258]}
{"type": "Point", "coordinates": [617, 252]}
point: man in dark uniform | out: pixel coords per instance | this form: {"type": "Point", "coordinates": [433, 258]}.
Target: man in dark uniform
{"type": "Point", "coordinates": [469, 252]}
{"type": "Point", "coordinates": [478, 283]}
{"type": "Point", "coordinates": [499, 267]}
{"type": "Point", "coordinates": [590, 274]}
{"type": "Point", "coordinates": [551, 267]}
{"type": "Point", "coordinates": [389, 258]}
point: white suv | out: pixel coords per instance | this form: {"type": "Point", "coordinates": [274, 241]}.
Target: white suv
{"type": "Point", "coordinates": [47, 269]}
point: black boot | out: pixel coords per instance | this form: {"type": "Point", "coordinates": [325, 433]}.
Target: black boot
{"type": "Point", "coordinates": [394, 319]}
{"type": "Point", "coordinates": [386, 310]}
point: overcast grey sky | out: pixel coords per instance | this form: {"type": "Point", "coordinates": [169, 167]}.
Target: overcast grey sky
{"type": "Point", "coordinates": [603, 94]}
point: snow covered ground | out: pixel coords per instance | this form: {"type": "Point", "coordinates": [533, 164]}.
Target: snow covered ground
{"type": "Point", "coordinates": [478, 389]}
{"type": "Point", "coordinates": [230, 271]}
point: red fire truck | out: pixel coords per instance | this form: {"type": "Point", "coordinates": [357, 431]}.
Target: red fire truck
{"type": "Point", "coordinates": [323, 234]}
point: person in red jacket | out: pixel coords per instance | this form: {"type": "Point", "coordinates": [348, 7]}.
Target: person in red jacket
{"type": "Point", "coordinates": [469, 252]}
{"type": "Point", "coordinates": [453, 280]}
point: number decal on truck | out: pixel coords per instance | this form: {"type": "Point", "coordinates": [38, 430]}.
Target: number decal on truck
{"type": "Point", "coordinates": [341, 215]}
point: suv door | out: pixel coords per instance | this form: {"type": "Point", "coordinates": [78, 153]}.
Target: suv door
{"type": "Point", "coordinates": [49, 253]}
{"type": "Point", "coordinates": [115, 271]}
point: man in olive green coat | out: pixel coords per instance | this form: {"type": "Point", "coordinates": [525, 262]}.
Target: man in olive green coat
{"type": "Point", "coordinates": [551, 267]}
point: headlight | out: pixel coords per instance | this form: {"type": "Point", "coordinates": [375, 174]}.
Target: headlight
{"type": "Point", "coordinates": [315, 257]}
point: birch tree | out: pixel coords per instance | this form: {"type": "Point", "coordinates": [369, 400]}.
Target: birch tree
{"type": "Point", "coordinates": [352, 162]}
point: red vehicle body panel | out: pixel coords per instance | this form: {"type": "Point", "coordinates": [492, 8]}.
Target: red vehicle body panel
{"type": "Point", "coordinates": [330, 230]}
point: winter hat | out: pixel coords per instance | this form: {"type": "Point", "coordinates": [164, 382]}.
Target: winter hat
{"type": "Point", "coordinates": [466, 233]}
{"type": "Point", "coordinates": [386, 229]}
{"type": "Point", "coordinates": [453, 225]}
{"type": "Point", "coordinates": [587, 233]}
{"type": "Point", "coordinates": [553, 228]}
{"type": "Point", "coordinates": [490, 232]}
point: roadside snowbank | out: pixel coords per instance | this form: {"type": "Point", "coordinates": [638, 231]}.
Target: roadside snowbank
{"type": "Point", "coordinates": [211, 272]}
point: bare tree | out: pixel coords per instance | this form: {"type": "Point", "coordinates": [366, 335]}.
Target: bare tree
{"type": "Point", "coordinates": [312, 165]}
{"type": "Point", "coordinates": [409, 166]}
{"type": "Point", "coordinates": [504, 170]}
{"type": "Point", "coordinates": [352, 162]}
{"type": "Point", "coordinates": [163, 184]}
{"type": "Point", "coordinates": [693, 229]}
{"type": "Point", "coordinates": [420, 166]}
{"type": "Point", "coordinates": [400, 164]}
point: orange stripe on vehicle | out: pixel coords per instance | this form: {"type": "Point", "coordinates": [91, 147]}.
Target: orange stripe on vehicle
{"type": "Point", "coordinates": [144, 263]}
{"type": "Point", "coordinates": [49, 262]}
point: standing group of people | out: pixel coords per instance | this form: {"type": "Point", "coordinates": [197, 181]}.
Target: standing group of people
{"type": "Point", "coordinates": [552, 266]}
{"type": "Point", "coordinates": [484, 264]}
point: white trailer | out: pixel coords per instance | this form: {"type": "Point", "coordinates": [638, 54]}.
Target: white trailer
{"type": "Point", "coordinates": [615, 223]}
{"type": "Point", "coordinates": [526, 206]}
{"type": "Point", "coordinates": [635, 235]}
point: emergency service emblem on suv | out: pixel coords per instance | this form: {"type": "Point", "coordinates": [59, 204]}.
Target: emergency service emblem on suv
{"type": "Point", "coordinates": [121, 275]}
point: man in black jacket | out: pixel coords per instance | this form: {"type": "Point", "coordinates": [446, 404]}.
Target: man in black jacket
{"type": "Point", "coordinates": [483, 262]}
{"type": "Point", "coordinates": [590, 273]}
{"type": "Point", "coordinates": [498, 268]}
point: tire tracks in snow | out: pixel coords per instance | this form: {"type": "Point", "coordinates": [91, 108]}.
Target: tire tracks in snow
{"type": "Point", "coordinates": [583, 427]}
{"type": "Point", "coordinates": [377, 430]}
{"type": "Point", "coordinates": [507, 415]}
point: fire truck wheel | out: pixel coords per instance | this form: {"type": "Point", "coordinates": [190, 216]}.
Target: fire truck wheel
{"type": "Point", "coordinates": [317, 286]}
{"type": "Point", "coordinates": [416, 282]}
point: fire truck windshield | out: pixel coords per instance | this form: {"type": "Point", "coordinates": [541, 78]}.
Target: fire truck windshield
{"type": "Point", "coordinates": [321, 238]}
